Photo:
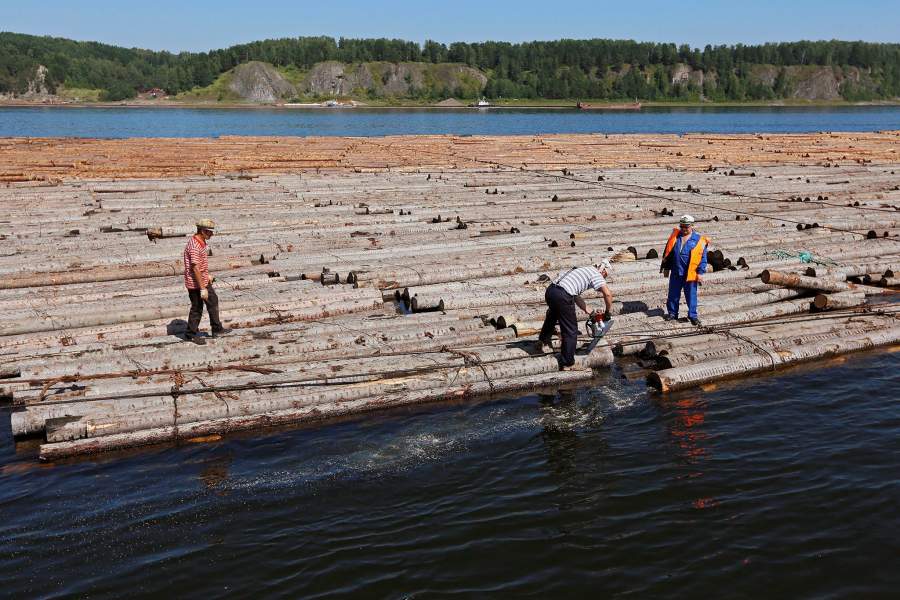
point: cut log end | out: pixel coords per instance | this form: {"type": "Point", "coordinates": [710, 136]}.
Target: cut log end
{"type": "Point", "coordinates": [658, 383]}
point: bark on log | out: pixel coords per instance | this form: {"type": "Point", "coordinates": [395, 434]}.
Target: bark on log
{"type": "Point", "coordinates": [680, 378]}
{"type": "Point", "coordinates": [839, 300]}
{"type": "Point", "coordinates": [57, 451]}
{"type": "Point", "coordinates": [795, 281]}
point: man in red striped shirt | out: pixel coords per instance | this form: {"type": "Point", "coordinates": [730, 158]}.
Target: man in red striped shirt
{"type": "Point", "coordinates": [199, 282]}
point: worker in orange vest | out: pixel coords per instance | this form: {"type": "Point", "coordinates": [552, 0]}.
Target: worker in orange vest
{"type": "Point", "coordinates": [684, 263]}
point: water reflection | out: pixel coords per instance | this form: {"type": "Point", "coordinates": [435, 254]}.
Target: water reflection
{"type": "Point", "coordinates": [685, 420]}
{"type": "Point", "coordinates": [685, 425]}
{"type": "Point", "coordinates": [215, 473]}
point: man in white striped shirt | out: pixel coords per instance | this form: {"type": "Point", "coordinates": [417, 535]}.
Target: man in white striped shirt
{"type": "Point", "coordinates": [562, 296]}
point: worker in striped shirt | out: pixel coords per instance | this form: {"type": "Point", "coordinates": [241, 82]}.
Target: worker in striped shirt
{"type": "Point", "coordinates": [199, 282]}
{"type": "Point", "coordinates": [562, 296]}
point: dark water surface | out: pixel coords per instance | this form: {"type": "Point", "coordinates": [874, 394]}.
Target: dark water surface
{"type": "Point", "coordinates": [779, 486]}
{"type": "Point", "coordinates": [209, 122]}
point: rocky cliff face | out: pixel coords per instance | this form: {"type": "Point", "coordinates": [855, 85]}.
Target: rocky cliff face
{"type": "Point", "coordinates": [390, 79]}
{"type": "Point", "coordinates": [824, 83]}
{"type": "Point", "coordinates": [260, 82]}
{"type": "Point", "coordinates": [812, 83]}
{"type": "Point", "coordinates": [37, 87]}
{"type": "Point", "coordinates": [683, 74]}
{"type": "Point", "coordinates": [37, 90]}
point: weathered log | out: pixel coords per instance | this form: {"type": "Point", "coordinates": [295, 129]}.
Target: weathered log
{"type": "Point", "coordinates": [749, 345]}
{"type": "Point", "coordinates": [847, 299]}
{"type": "Point", "coordinates": [793, 280]}
{"type": "Point", "coordinates": [679, 378]}
{"type": "Point", "coordinates": [294, 224]}
{"type": "Point", "coordinates": [276, 394]}
{"type": "Point", "coordinates": [164, 435]}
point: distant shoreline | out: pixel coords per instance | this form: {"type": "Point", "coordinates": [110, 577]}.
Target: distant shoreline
{"type": "Point", "coordinates": [569, 105]}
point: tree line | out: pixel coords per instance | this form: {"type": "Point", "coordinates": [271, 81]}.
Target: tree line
{"type": "Point", "coordinates": [554, 69]}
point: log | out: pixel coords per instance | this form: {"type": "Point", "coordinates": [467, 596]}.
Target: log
{"type": "Point", "coordinates": [795, 281]}
{"type": "Point", "coordinates": [372, 212]}
{"type": "Point", "coordinates": [272, 395]}
{"type": "Point", "coordinates": [839, 300]}
{"type": "Point", "coordinates": [164, 435]}
{"type": "Point", "coordinates": [679, 378]}
{"type": "Point", "coordinates": [749, 346]}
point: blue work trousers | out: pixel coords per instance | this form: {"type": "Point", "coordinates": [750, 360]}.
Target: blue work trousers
{"type": "Point", "coordinates": [676, 285]}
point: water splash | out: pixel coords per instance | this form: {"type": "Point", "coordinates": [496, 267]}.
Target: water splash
{"type": "Point", "coordinates": [402, 445]}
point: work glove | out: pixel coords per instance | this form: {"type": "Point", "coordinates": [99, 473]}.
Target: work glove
{"type": "Point", "coordinates": [607, 316]}
{"type": "Point", "coordinates": [665, 272]}
{"type": "Point", "coordinates": [204, 294]}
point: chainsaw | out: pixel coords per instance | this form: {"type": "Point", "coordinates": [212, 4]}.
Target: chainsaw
{"type": "Point", "coordinates": [596, 328]}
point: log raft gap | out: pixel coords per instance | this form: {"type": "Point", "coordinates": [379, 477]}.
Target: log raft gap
{"type": "Point", "coordinates": [318, 237]}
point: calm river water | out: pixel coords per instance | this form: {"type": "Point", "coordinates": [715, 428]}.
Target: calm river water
{"type": "Point", "coordinates": [780, 486]}
{"type": "Point", "coordinates": [208, 122]}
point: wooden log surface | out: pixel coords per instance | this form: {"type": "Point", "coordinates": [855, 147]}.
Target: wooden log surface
{"type": "Point", "coordinates": [318, 237]}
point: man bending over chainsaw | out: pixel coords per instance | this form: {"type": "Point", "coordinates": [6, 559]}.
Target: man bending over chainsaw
{"type": "Point", "coordinates": [562, 295]}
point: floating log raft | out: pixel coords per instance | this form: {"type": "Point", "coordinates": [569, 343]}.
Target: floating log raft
{"type": "Point", "coordinates": [360, 274]}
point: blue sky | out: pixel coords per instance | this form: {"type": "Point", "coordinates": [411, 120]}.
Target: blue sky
{"type": "Point", "coordinates": [204, 24]}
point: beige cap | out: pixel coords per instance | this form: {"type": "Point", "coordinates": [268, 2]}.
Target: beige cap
{"type": "Point", "coordinates": [686, 220]}
{"type": "Point", "coordinates": [206, 224]}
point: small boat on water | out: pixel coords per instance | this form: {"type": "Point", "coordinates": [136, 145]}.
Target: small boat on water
{"type": "Point", "coordinates": [483, 103]}
{"type": "Point", "coordinates": [625, 106]}
{"type": "Point", "coordinates": [337, 104]}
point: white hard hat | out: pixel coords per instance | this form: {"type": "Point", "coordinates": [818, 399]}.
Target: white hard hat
{"type": "Point", "coordinates": [686, 220]}
{"type": "Point", "coordinates": [605, 265]}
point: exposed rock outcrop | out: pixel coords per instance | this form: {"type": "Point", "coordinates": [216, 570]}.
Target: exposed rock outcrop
{"type": "Point", "coordinates": [811, 82]}
{"type": "Point", "coordinates": [683, 74]}
{"type": "Point", "coordinates": [37, 87]}
{"type": "Point", "coordinates": [260, 82]}
{"type": "Point", "coordinates": [391, 79]}
{"type": "Point", "coordinates": [450, 103]}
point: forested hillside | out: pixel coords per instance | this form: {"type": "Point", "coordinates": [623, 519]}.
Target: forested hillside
{"type": "Point", "coordinates": [613, 69]}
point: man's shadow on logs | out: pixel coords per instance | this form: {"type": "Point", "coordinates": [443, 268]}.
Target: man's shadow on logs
{"type": "Point", "coordinates": [177, 328]}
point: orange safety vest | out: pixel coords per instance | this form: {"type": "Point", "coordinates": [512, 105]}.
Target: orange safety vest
{"type": "Point", "coordinates": [696, 253]}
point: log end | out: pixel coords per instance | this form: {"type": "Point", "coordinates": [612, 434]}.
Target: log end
{"type": "Point", "coordinates": [522, 330]}
{"type": "Point", "coordinates": [655, 381]}
{"type": "Point", "coordinates": [9, 373]}
{"type": "Point", "coordinates": [765, 276]}
{"type": "Point", "coordinates": [63, 429]}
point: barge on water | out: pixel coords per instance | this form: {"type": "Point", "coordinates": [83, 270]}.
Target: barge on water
{"type": "Point", "coordinates": [625, 106]}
